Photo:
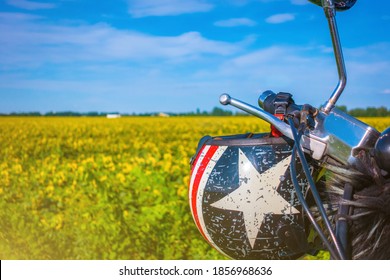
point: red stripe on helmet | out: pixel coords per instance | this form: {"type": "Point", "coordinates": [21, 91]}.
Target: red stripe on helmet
{"type": "Point", "coordinates": [196, 160]}
{"type": "Point", "coordinates": [195, 187]}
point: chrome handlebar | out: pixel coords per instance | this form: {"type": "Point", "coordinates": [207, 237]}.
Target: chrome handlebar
{"type": "Point", "coordinates": [336, 136]}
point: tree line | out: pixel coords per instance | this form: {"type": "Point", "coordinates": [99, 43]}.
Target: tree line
{"type": "Point", "coordinates": [216, 111]}
{"type": "Point", "coordinates": [367, 112]}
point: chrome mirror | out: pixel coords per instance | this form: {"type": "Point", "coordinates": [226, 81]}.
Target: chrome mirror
{"type": "Point", "coordinates": [330, 7]}
{"type": "Point", "coordinates": [339, 5]}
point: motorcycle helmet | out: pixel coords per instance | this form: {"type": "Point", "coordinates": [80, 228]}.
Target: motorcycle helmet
{"type": "Point", "coordinates": [242, 198]}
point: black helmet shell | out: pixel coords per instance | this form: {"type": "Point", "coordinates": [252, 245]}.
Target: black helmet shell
{"type": "Point", "coordinates": [242, 198]}
{"type": "Point", "coordinates": [382, 150]}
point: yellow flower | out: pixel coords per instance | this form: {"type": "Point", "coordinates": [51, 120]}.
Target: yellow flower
{"type": "Point", "coordinates": [121, 177]}
{"type": "Point", "coordinates": [125, 213]}
{"type": "Point", "coordinates": [17, 168]}
{"type": "Point", "coordinates": [50, 188]}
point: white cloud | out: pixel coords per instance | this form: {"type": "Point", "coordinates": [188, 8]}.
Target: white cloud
{"type": "Point", "coordinates": [386, 91]}
{"type": "Point", "coordinates": [280, 18]}
{"type": "Point", "coordinates": [279, 68]}
{"type": "Point", "coordinates": [373, 52]}
{"type": "Point", "coordinates": [11, 18]}
{"type": "Point", "coordinates": [25, 40]}
{"type": "Point", "coordinates": [186, 46]}
{"type": "Point", "coordinates": [235, 22]}
{"type": "Point", "coordinates": [299, 2]}
{"type": "Point", "coordinates": [30, 5]}
{"type": "Point", "coordinates": [144, 8]}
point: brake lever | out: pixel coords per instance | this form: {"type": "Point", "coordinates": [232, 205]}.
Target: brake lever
{"type": "Point", "coordinates": [284, 128]}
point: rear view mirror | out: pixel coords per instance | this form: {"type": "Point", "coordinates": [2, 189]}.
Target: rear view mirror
{"type": "Point", "coordinates": [339, 5]}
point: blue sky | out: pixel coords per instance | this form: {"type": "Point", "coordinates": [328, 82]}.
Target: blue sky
{"type": "Point", "coordinates": [137, 56]}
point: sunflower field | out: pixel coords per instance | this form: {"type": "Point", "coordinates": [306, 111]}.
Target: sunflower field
{"type": "Point", "coordinates": [98, 188]}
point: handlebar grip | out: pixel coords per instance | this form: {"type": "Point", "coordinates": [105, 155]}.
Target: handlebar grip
{"type": "Point", "coordinates": [267, 102]}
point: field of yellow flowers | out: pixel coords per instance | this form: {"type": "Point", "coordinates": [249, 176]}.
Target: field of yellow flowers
{"type": "Point", "coordinates": [97, 188]}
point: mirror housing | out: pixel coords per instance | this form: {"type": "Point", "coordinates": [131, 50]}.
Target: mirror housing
{"type": "Point", "coordinates": [339, 5]}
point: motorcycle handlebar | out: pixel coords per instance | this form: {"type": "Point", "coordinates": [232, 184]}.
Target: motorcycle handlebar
{"type": "Point", "coordinates": [336, 135]}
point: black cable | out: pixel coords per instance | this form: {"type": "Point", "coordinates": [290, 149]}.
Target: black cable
{"type": "Point", "coordinates": [339, 254]}
{"type": "Point", "coordinates": [342, 222]}
{"type": "Point", "coordinates": [306, 206]}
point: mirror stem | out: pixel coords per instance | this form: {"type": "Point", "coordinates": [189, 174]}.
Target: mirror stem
{"type": "Point", "coordinates": [330, 13]}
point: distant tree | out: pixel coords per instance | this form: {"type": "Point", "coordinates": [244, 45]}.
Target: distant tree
{"type": "Point", "coordinates": [63, 114]}
{"type": "Point", "coordinates": [220, 112]}
{"type": "Point", "coordinates": [382, 112]}
{"type": "Point", "coordinates": [358, 112]}
{"type": "Point", "coordinates": [370, 112]}
{"type": "Point", "coordinates": [32, 114]}
{"type": "Point", "coordinates": [92, 114]}
{"type": "Point", "coordinates": [342, 108]}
